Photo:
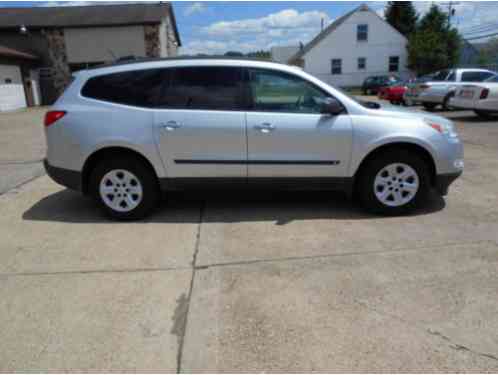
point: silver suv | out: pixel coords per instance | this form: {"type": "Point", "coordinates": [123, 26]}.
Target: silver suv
{"type": "Point", "coordinates": [125, 132]}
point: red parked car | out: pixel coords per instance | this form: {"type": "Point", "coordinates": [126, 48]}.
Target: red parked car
{"type": "Point", "coordinates": [393, 92]}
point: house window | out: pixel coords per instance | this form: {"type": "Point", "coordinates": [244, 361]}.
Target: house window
{"type": "Point", "coordinates": [362, 63]}
{"type": "Point", "coordinates": [394, 63]}
{"type": "Point", "coordinates": [336, 66]}
{"type": "Point", "coordinates": [362, 33]}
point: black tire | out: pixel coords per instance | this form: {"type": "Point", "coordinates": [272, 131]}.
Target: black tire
{"type": "Point", "coordinates": [365, 182]}
{"type": "Point", "coordinates": [446, 102]}
{"type": "Point", "coordinates": [482, 114]}
{"type": "Point", "coordinates": [147, 179]}
{"type": "Point", "coordinates": [429, 106]}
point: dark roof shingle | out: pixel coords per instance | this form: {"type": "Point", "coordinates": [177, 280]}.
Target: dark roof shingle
{"type": "Point", "coordinates": [87, 16]}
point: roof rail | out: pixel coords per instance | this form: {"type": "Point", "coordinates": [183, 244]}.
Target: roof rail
{"type": "Point", "coordinates": [136, 60]}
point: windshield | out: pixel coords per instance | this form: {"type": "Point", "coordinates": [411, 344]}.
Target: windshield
{"type": "Point", "coordinates": [440, 76]}
{"type": "Point", "coordinates": [492, 79]}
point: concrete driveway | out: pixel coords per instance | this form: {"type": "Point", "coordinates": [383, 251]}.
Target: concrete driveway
{"type": "Point", "coordinates": [280, 282]}
{"type": "Point", "coordinates": [22, 147]}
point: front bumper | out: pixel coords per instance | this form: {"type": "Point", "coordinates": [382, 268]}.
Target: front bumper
{"type": "Point", "coordinates": [443, 181]}
{"type": "Point", "coordinates": [65, 177]}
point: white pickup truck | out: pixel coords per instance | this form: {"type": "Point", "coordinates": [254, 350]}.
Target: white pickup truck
{"type": "Point", "coordinates": [442, 86]}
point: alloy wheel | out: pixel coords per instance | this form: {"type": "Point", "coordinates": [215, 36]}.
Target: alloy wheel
{"type": "Point", "coordinates": [396, 184]}
{"type": "Point", "coordinates": [121, 190]}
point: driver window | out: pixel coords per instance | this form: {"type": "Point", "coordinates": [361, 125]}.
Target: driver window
{"type": "Point", "coordinates": [274, 91]}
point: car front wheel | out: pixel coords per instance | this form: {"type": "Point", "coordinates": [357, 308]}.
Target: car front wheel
{"type": "Point", "coordinates": [429, 106]}
{"type": "Point", "coordinates": [394, 183]}
{"type": "Point", "coordinates": [125, 188]}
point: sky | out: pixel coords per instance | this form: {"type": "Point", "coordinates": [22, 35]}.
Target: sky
{"type": "Point", "coordinates": [218, 27]}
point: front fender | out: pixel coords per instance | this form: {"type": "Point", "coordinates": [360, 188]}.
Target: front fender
{"type": "Point", "coordinates": [371, 134]}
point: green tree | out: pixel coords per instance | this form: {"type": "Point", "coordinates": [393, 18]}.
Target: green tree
{"type": "Point", "coordinates": [434, 45]}
{"type": "Point", "coordinates": [234, 54]}
{"type": "Point", "coordinates": [402, 16]}
{"type": "Point", "coordinates": [488, 52]}
{"type": "Point", "coordinates": [261, 54]}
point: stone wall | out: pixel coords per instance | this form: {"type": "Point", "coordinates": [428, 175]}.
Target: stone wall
{"type": "Point", "coordinates": [152, 43]}
{"type": "Point", "coordinates": [58, 58]}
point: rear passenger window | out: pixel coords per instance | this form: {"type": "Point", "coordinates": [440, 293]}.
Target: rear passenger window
{"type": "Point", "coordinates": [208, 88]}
{"type": "Point", "coordinates": [139, 88]}
{"type": "Point", "coordinates": [475, 76]}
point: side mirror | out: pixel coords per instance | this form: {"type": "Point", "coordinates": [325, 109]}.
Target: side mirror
{"type": "Point", "coordinates": [332, 107]}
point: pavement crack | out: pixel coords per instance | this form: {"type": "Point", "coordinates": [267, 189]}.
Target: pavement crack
{"type": "Point", "coordinates": [460, 347]}
{"type": "Point", "coordinates": [414, 324]}
{"type": "Point", "coordinates": [180, 317]}
{"type": "Point", "coordinates": [20, 162]}
{"type": "Point", "coordinates": [82, 272]}
{"type": "Point", "coordinates": [351, 253]}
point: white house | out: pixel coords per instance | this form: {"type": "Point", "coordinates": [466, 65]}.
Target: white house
{"type": "Point", "coordinates": [355, 46]}
{"type": "Point", "coordinates": [283, 54]}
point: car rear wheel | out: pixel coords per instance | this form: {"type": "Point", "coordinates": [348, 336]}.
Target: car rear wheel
{"type": "Point", "coordinates": [394, 183]}
{"type": "Point", "coordinates": [125, 188]}
{"type": "Point", "coordinates": [446, 102]}
{"type": "Point", "coordinates": [483, 114]}
{"type": "Point", "coordinates": [429, 106]}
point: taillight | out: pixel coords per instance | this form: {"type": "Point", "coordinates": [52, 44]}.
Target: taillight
{"type": "Point", "coordinates": [484, 94]}
{"type": "Point", "coordinates": [53, 116]}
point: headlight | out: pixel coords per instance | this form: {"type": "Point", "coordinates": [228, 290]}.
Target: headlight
{"type": "Point", "coordinates": [447, 129]}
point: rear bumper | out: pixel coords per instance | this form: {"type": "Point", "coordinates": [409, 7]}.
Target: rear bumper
{"type": "Point", "coordinates": [443, 182]}
{"type": "Point", "coordinates": [65, 177]}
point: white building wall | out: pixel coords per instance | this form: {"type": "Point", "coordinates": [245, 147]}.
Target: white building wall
{"type": "Point", "coordinates": [283, 54]}
{"type": "Point", "coordinates": [167, 39]}
{"type": "Point", "coordinates": [12, 72]}
{"type": "Point", "coordinates": [383, 41]}
{"type": "Point", "coordinates": [11, 94]}
{"type": "Point", "coordinates": [94, 44]}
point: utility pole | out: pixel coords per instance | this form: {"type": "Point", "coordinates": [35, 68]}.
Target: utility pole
{"type": "Point", "coordinates": [451, 11]}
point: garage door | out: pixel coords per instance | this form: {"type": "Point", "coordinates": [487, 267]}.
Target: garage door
{"type": "Point", "coordinates": [11, 88]}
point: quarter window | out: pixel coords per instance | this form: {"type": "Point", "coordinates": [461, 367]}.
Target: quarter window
{"type": "Point", "coordinates": [393, 63]}
{"type": "Point", "coordinates": [274, 91]}
{"type": "Point", "coordinates": [139, 88]}
{"type": "Point", "coordinates": [336, 66]}
{"type": "Point", "coordinates": [362, 63]}
{"type": "Point", "coordinates": [362, 33]}
{"type": "Point", "coordinates": [208, 88]}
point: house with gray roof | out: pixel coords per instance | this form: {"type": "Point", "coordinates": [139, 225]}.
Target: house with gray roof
{"type": "Point", "coordinates": [64, 39]}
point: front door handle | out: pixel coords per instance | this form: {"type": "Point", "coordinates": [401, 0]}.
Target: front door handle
{"type": "Point", "coordinates": [265, 127]}
{"type": "Point", "coordinates": [170, 125]}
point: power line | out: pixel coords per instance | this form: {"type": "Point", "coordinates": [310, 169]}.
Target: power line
{"type": "Point", "coordinates": [482, 36]}
{"type": "Point", "coordinates": [472, 29]}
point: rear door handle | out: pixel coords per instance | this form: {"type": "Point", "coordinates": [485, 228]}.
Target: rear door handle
{"type": "Point", "coordinates": [170, 125]}
{"type": "Point", "coordinates": [265, 127]}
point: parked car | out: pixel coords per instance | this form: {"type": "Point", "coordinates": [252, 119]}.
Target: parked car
{"type": "Point", "coordinates": [443, 85]}
{"type": "Point", "coordinates": [482, 98]}
{"type": "Point", "coordinates": [394, 92]}
{"type": "Point", "coordinates": [124, 132]}
{"type": "Point", "coordinates": [411, 93]}
{"type": "Point", "coordinates": [371, 85]}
